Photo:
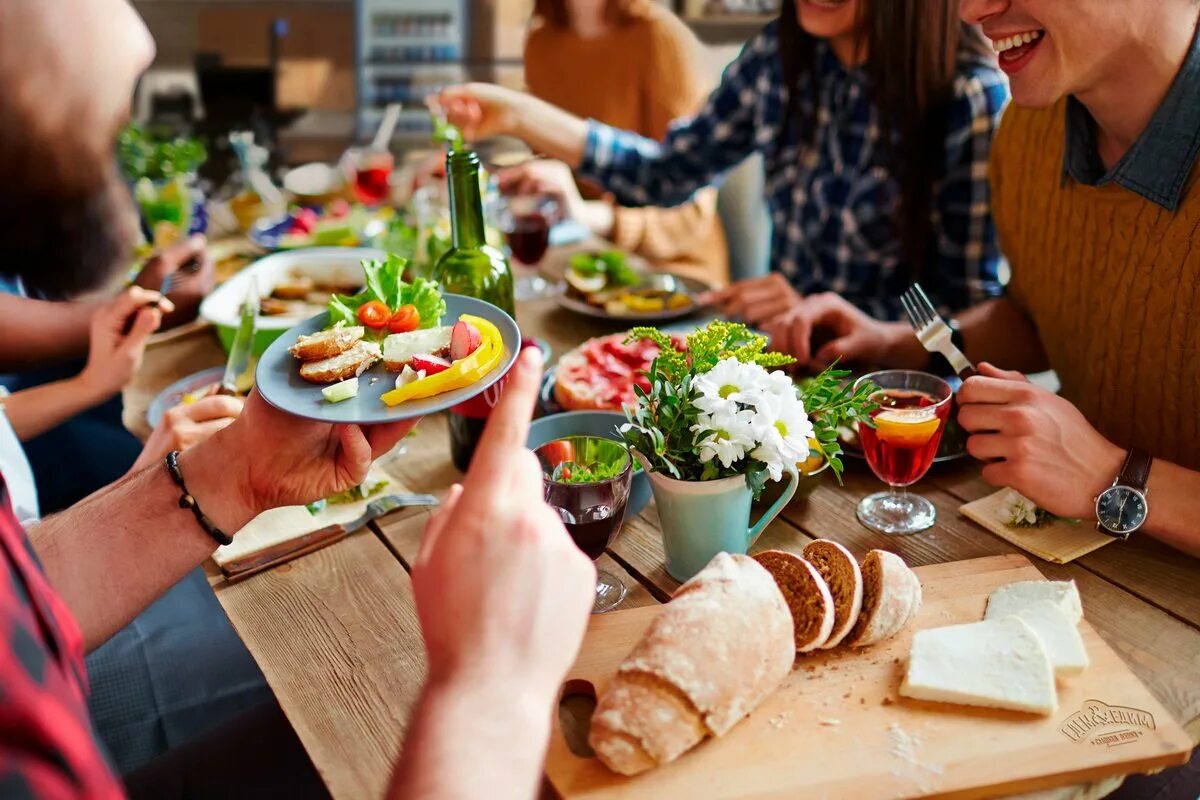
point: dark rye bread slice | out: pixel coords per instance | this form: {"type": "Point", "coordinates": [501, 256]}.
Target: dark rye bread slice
{"type": "Point", "coordinates": [844, 579]}
{"type": "Point", "coordinates": [891, 597]}
{"type": "Point", "coordinates": [806, 594]}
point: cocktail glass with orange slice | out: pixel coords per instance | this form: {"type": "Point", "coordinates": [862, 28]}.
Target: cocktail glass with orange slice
{"type": "Point", "coordinates": [900, 446]}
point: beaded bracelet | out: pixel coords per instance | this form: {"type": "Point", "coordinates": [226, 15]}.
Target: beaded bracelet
{"type": "Point", "coordinates": [187, 501]}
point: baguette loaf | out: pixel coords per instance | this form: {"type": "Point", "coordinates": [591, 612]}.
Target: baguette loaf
{"type": "Point", "coordinates": [806, 594]}
{"type": "Point", "coordinates": [723, 643]}
{"type": "Point", "coordinates": [891, 597]}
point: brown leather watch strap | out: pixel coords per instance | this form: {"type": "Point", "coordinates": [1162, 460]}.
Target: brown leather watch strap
{"type": "Point", "coordinates": [1136, 471]}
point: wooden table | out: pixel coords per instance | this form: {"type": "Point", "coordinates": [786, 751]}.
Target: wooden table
{"type": "Point", "coordinates": [336, 633]}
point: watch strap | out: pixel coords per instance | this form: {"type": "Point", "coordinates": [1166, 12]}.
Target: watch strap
{"type": "Point", "coordinates": [1136, 471]}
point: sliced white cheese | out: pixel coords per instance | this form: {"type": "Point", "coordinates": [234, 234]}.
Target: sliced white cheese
{"type": "Point", "coordinates": [1059, 635]}
{"type": "Point", "coordinates": [399, 348]}
{"type": "Point", "coordinates": [408, 375]}
{"type": "Point", "coordinates": [997, 663]}
{"type": "Point", "coordinates": [1015, 597]}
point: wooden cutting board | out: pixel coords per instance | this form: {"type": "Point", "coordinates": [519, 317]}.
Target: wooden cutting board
{"type": "Point", "coordinates": [838, 727]}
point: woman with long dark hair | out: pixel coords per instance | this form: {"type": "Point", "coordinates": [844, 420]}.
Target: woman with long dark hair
{"type": "Point", "coordinates": [875, 118]}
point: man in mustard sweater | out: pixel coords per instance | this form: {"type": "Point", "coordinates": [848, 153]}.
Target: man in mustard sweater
{"type": "Point", "coordinates": [1094, 191]}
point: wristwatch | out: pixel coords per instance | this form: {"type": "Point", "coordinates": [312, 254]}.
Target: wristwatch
{"type": "Point", "coordinates": [1121, 508]}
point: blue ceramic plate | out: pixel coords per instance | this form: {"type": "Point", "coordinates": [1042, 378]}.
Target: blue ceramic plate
{"type": "Point", "coordinates": [173, 395]}
{"type": "Point", "coordinates": [591, 423]}
{"type": "Point", "coordinates": [278, 375]}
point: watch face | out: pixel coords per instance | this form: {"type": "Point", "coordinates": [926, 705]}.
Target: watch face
{"type": "Point", "coordinates": [1121, 509]}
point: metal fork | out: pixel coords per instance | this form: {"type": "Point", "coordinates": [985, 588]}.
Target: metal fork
{"type": "Point", "coordinates": [932, 331]}
{"type": "Point", "coordinates": [187, 268]}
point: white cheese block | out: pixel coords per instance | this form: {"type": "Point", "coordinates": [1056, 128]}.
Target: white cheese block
{"type": "Point", "coordinates": [1014, 597]}
{"type": "Point", "coordinates": [997, 663]}
{"type": "Point", "coordinates": [1059, 635]}
{"type": "Point", "coordinates": [399, 348]}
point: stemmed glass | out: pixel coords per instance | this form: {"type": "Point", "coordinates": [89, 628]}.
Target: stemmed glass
{"type": "Point", "coordinates": [526, 220]}
{"type": "Point", "coordinates": [908, 425]}
{"type": "Point", "coordinates": [586, 480]}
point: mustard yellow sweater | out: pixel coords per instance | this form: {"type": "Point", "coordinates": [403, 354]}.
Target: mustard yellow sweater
{"type": "Point", "coordinates": [640, 76]}
{"type": "Point", "coordinates": [1112, 282]}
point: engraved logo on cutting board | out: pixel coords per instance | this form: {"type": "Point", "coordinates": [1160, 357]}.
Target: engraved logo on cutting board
{"type": "Point", "coordinates": [1103, 725]}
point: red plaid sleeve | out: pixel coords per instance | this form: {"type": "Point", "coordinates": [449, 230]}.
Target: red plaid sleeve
{"type": "Point", "coordinates": [48, 748]}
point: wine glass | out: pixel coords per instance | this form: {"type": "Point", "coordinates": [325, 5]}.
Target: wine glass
{"type": "Point", "coordinates": [586, 480]}
{"type": "Point", "coordinates": [370, 171]}
{"type": "Point", "coordinates": [900, 446]}
{"type": "Point", "coordinates": [526, 220]}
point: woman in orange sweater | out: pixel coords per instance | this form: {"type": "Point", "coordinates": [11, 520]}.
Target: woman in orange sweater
{"type": "Point", "coordinates": [632, 64]}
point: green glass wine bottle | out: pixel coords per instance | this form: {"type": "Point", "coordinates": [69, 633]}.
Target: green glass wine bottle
{"type": "Point", "coordinates": [474, 268]}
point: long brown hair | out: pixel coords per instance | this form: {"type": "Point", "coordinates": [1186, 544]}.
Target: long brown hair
{"type": "Point", "coordinates": [913, 49]}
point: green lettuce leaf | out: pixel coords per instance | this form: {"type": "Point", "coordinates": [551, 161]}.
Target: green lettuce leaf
{"type": "Point", "coordinates": [385, 284]}
{"type": "Point", "coordinates": [427, 297]}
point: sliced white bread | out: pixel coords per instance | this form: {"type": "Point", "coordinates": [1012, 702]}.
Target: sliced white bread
{"type": "Point", "coordinates": [399, 348]}
{"type": "Point", "coordinates": [713, 653]}
{"type": "Point", "coordinates": [1014, 597]}
{"type": "Point", "coordinates": [806, 594]}
{"type": "Point", "coordinates": [326, 344]}
{"type": "Point", "coordinates": [891, 597]}
{"type": "Point", "coordinates": [844, 579]}
{"type": "Point", "coordinates": [1060, 636]}
{"type": "Point", "coordinates": [348, 364]}
{"type": "Point", "coordinates": [996, 663]}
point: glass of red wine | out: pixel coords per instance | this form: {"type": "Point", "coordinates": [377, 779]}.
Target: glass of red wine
{"type": "Point", "coordinates": [914, 408]}
{"type": "Point", "coordinates": [586, 480]}
{"type": "Point", "coordinates": [370, 172]}
{"type": "Point", "coordinates": [526, 220]}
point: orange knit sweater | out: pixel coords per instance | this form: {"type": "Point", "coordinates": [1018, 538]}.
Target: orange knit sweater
{"type": "Point", "coordinates": [639, 76]}
{"type": "Point", "coordinates": [1112, 282]}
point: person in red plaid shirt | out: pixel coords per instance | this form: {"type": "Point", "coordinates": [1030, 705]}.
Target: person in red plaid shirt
{"type": "Point", "coordinates": [496, 652]}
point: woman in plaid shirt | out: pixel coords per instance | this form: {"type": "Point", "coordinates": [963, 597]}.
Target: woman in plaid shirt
{"type": "Point", "coordinates": [875, 120]}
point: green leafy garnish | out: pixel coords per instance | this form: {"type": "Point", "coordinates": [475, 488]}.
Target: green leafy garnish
{"type": "Point", "coordinates": [157, 155]}
{"type": "Point", "coordinates": [611, 263]}
{"type": "Point", "coordinates": [384, 282]}
{"type": "Point", "coordinates": [449, 134]}
{"type": "Point", "coordinates": [574, 472]}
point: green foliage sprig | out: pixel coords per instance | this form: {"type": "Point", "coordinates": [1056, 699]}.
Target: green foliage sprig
{"type": "Point", "coordinates": [157, 155]}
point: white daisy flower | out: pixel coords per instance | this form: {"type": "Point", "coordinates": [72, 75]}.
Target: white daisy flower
{"type": "Point", "coordinates": [726, 436]}
{"type": "Point", "coordinates": [782, 431]}
{"type": "Point", "coordinates": [727, 384]}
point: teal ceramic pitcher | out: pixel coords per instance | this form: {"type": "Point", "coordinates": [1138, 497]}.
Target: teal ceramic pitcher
{"type": "Point", "coordinates": [702, 518]}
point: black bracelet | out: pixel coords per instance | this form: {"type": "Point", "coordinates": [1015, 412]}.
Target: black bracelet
{"type": "Point", "coordinates": [187, 501]}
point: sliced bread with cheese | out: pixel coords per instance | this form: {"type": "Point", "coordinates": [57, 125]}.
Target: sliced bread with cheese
{"type": "Point", "coordinates": [1015, 597]}
{"type": "Point", "coordinates": [807, 596]}
{"type": "Point", "coordinates": [723, 643]}
{"type": "Point", "coordinates": [348, 364]}
{"type": "Point", "coordinates": [327, 344]}
{"type": "Point", "coordinates": [844, 579]}
{"type": "Point", "coordinates": [399, 348]}
{"type": "Point", "coordinates": [996, 663]}
{"type": "Point", "coordinates": [891, 597]}
{"type": "Point", "coordinates": [1059, 635]}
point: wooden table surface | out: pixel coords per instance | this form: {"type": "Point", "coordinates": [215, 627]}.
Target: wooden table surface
{"type": "Point", "coordinates": [336, 634]}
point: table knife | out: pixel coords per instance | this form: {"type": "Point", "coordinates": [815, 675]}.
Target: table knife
{"type": "Point", "coordinates": [243, 342]}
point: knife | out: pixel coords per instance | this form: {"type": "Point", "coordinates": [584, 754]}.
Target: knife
{"type": "Point", "coordinates": [243, 340]}
{"type": "Point", "coordinates": [302, 545]}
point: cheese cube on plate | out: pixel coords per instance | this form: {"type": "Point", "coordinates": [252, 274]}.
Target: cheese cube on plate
{"type": "Point", "coordinates": [996, 663]}
{"type": "Point", "coordinates": [1059, 635]}
{"type": "Point", "coordinates": [1014, 597]}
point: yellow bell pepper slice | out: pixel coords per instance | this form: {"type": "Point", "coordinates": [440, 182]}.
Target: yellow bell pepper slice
{"type": "Point", "coordinates": [461, 373]}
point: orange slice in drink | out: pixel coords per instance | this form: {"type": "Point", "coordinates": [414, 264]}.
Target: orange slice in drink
{"type": "Point", "coordinates": [813, 462]}
{"type": "Point", "coordinates": [906, 428]}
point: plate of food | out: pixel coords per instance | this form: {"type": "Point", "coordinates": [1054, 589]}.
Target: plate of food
{"type": "Point", "coordinates": [604, 285]}
{"type": "Point", "coordinates": [185, 390]}
{"type": "Point", "coordinates": [599, 375]}
{"type": "Point", "coordinates": [393, 351]}
{"type": "Point", "coordinates": [339, 224]}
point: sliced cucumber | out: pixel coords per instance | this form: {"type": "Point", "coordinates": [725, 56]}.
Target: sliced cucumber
{"type": "Point", "coordinates": [341, 391]}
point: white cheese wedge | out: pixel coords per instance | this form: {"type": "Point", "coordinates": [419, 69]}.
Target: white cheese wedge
{"type": "Point", "coordinates": [1015, 597]}
{"type": "Point", "coordinates": [399, 348]}
{"type": "Point", "coordinates": [997, 663]}
{"type": "Point", "coordinates": [1059, 635]}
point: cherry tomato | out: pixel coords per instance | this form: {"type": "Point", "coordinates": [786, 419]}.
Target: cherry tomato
{"type": "Point", "coordinates": [406, 319]}
{"type": "Point", "coordinates": [374, 314]}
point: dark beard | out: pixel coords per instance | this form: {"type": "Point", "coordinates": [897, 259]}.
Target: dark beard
{"type": "Point", "coordinates": [65, 244]}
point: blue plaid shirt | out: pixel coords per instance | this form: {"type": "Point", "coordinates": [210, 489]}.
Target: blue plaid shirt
{"type": "Point", "coordinates": [831, 202]}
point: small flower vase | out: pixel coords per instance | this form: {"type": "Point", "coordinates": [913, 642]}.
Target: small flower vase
{"type": "Point", "coordinates": [702, 518]}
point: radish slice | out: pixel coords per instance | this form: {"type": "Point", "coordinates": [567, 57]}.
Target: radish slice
{"type": "Point", "coordinates": [465, 339]}
{"type": "Point", "coordinates": [429, 364]}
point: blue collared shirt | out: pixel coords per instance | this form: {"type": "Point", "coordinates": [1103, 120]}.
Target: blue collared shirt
{"type": "Point", "coordinates": [832, 202]}
{"type": "Point", "coordinates": [1158, 164]}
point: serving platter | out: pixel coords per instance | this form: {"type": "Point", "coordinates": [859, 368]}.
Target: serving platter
{"type": "Point", "coordinates": [278, 375]}
{"type": "Point", "coordinates": [692, 286]}
{"type": "Point", "coordinates": [837, 726]}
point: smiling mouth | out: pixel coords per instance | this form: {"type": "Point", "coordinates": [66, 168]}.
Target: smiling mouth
{"type": "Point", "coordinates": [1014, 47]}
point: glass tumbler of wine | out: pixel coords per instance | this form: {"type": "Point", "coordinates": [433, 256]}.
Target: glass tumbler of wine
{"type": "Point", "coordinates": [586, 480]}
{"type": "Point", "coordinates": [913, 408]}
